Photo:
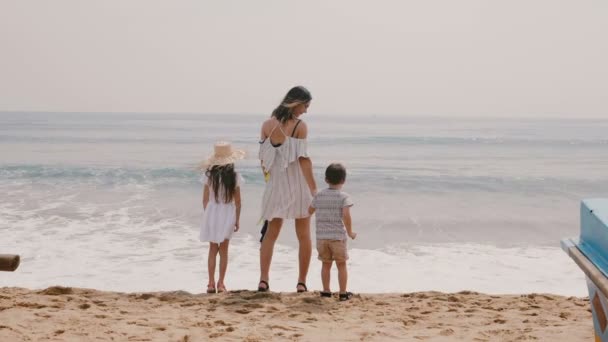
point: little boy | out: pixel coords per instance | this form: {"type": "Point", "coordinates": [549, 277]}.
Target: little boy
{"type": "Point", "coordinates": [333, 221]}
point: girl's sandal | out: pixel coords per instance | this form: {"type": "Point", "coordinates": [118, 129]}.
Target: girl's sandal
{"type": "Point", "coordinates": [299, 290]}
{"type": "Point", "coordinates": [266, 288]}
{"type": "Point", "coordinates": [221, 288]}
{"type": "Point", "coordinates": [210, 289]}
{"type": "Point", "coordinates": [346, 296]}
{"type": "Point", "coordinates": [325, 294]}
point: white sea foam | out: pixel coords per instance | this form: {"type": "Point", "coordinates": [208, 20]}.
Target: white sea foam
{"type": "Point", "coordinates": [170, 262]}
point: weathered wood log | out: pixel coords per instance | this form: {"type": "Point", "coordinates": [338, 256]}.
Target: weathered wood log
{"type": "Point", "coordinates": [9, 262]}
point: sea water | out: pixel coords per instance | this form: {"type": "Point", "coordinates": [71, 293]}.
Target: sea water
{"type": "Point", "coordinates": [113, 201]}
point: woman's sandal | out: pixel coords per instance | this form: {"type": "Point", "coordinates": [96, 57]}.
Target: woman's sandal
{"type": "Point", "coordinates": [210, 289]}
{"type": "Point", "coordinates": [263, 289]}
{"type": "Point", "coordinates": [300, 290]}
{"type": "Point", "coordinates": [346, 296]}
{"type": "Point", "coordinates": [221, 288]}
{"type": "Point", "coordinates": [325, 294]}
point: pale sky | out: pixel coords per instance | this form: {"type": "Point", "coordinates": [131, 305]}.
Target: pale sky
{"type": "Point", "coordinates": [520, 58]}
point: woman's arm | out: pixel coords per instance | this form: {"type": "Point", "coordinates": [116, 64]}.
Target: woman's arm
{"type": "Point", "coordinates": [262, 138]}
{"type": "Point", "coordinates": [205, 196]}
{"type": "Point", "coordinates": [305, 162]}
{"type": "Point", "coordinates": [237, 204]}
{"type": "Point", "coordinates": [306, 165]}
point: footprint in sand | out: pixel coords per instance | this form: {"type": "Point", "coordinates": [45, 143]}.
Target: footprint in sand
{"type": "Point", "coordinates": [56, 291]}
{"type": "Point", "coordinates": [409, 322]}
{"type": "Point", "coordinates": [31, 305]}
{"type": "Point", "coordinates": [280, 327]}
{"type": "Point", "coordinates": [446, 332]}
{"type": "Point", "coordinates": [99, 303]}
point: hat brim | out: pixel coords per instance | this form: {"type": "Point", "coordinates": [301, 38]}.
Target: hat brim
{"type": "Point", "coordinates": [213, 161]}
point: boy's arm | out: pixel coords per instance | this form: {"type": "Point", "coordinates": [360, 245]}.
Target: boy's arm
{"type": "Point", "coordinates": [205, 196]}
{"type": "Point", "coordinates": [237, 204]}
{"type": "Point", "coordinates": [348, 222]}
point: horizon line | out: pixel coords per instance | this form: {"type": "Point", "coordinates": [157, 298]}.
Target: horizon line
{"type": "Point", "coordinates": [430, 116]}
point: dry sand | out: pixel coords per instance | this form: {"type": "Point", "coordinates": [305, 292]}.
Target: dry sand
{"type": "Point", "coordinates": [71, 314]}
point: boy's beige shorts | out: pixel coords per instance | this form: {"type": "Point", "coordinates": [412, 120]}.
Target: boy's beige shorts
{"type": "Point", "coordinates": [332, 250]}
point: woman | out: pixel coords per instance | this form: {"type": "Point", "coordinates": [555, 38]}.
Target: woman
{"type": "Point", "coordinates": [290, 184]}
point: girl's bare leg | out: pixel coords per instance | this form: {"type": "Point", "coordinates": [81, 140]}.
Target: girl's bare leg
{"type": "Point", "coordinates": [223, 264]}
{"type": "Point", "coordinates": [213, 250]}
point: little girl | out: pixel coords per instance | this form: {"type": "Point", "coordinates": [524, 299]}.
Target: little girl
{"type": "Point", "coordinates": [222, 206]}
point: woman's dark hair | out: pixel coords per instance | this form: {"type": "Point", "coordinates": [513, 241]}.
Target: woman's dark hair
{"type": "Point", "coordinates": [295, 96]}
{"type": "Point", "coordinates": [335, 174]}
{"type": "Point", "coordinates": [222, 180]}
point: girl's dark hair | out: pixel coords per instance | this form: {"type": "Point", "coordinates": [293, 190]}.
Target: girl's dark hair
{"type": "Point", "coordinates": [295, 96]}
{"type": "Point", "coordinates": [222, 180]}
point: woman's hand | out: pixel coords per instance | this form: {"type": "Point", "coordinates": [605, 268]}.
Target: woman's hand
{"type": "Point", "coordinates": [236, 226]}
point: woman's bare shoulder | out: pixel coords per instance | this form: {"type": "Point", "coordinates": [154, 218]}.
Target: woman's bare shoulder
{"type": "Point", "coordinates": [301, 131]}
{"type": "Point", "coordinates": [269, 122]}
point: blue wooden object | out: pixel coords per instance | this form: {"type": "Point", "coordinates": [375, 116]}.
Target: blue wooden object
{"type": "Point", "coordinates": [590, 252]}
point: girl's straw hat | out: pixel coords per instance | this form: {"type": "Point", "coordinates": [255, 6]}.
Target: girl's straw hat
{"type": "Point", "coordinates": [223, 154]}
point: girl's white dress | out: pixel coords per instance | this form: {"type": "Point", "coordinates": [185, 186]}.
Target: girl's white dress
{"type": "Point", "coordinates": [287, 194]}
{"type": "Point", "coordinates": [219, 218]}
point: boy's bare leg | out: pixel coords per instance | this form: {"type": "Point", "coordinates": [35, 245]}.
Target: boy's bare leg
{"type": "Point", "coordinates": [213, 250]}
{"type": "Point", "coordinates": [305, 250]}
{"type": "Point", "coordinates": [267, 247]}
{"type": "Point", "coordinates": [342, 275]}
{"type": "Point", "coordinates": [325, 275]}
{"type": "Point", "coordinates": [223, 264]}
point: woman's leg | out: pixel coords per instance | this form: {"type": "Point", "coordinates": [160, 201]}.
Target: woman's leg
{"type": "Point", "coordinates": [272, 233]}
{"type": "Point", "coordinates": [213, 250]}
{"type": "Point", "coordinates": [223, 264]}
{"type": "Point", "coordinates": [303, 233]}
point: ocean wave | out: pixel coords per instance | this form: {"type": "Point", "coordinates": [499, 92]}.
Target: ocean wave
{"type": "Point", "coordinates": [378, 179]}
{"type": "Point", "coordinates": [455, 140]}
{"type": "Point", "coordinates": [336, 141]}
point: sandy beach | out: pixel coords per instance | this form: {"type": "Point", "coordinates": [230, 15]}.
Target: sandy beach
{"type": "Point", "coordinates": [73, 314]}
